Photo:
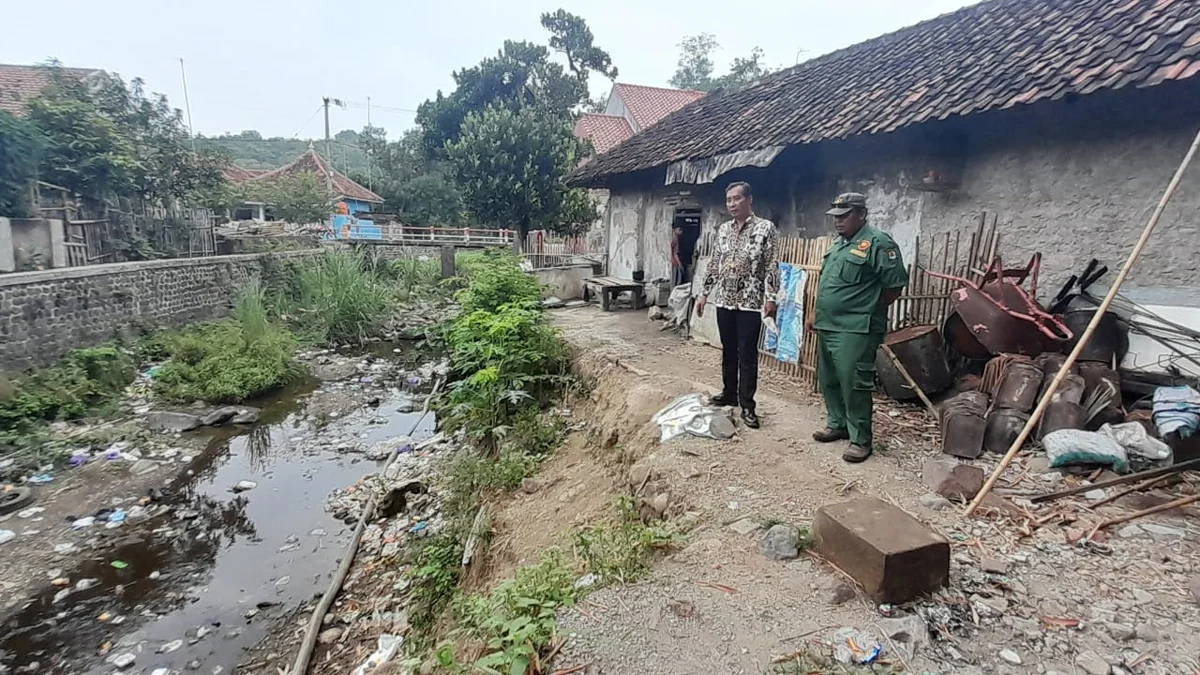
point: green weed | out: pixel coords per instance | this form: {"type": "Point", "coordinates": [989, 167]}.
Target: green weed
{"type": "Point", "coordinates": [437, 566]}
{"type": "Point", "coordinates": [231, 360]}
{"type": "Point", "coordinates": [516, 622]}
{"type": "Point", "coordinates": [620, 550]}
{"type": "Point", "coordinates": [494, 278]}
{"type": "Point", "coordinates": [336, 298]}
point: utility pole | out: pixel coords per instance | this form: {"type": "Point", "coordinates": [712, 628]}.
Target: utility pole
{"type": "Point", "coordinates": [370, 182]}
{"type": "Point", "coordinates": [188, 105]}
{"type": "Point", "coordinates": [328, 148]}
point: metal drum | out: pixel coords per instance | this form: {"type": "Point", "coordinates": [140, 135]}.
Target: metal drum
{"type": "Point", "coordinates": [963, 425]}
{"type": "Point", "coordinates": [921, 350]}
{"type": "Point", "coordinates": [1106, 342]}
{"type": "Point", "coordinates": [1003, 427]}
{"type": "Point", "coordinates": [1061, 414]}
{"type": "Point", "coordinates": [1019, 386]}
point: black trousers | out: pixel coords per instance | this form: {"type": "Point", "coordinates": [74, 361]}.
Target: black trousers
{"type": "Point", "coordinates": [739, 331]}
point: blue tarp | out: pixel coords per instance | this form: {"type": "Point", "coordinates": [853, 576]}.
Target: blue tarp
{"type": "Point", "coordinates": [785, 343]}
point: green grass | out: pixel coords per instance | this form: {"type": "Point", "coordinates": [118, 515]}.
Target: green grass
{"type": "Point", "coordinates": [620, 550]}
{"type": "Point", "coordinates": [231, 360]}
{"type": "Point", "coordinates": [336, 298]}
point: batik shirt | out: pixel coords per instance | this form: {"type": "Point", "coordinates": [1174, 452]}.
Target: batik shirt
{"type": "Point", "coordinates": [744, 269]}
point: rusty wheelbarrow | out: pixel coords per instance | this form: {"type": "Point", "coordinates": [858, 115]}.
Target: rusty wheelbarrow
{"type": "Point", "coordinates": [1001, 315]}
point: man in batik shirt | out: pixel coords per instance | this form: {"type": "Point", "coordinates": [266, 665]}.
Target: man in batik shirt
{"type": "Point", "coordinates": [742, 280]}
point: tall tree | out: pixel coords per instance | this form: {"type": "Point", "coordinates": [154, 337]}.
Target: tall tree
{"type": "Point", "coordinates": [695, 66]}
{"type": "Point", "coordinates": [694, 69]}
{"type": "Point", "coordinates": [511, 164]}
{"type": "Point", "coordinates": [413, 186]}
{"type": "Point", "coordinates": [110, 138]}
{"type": "Point", "coordinates": [520, 75]}
{"type": "Point", "coordinates": [570, 35]}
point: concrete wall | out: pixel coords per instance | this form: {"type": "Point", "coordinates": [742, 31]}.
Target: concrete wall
{"type": "Point", "coordinates": [564, 283]}
{"type": "Point", "coordinates": [44, 315]}
{"type": "Point", "coordinates": [8, 261]}
{"type": "Point", "coordinates": [39, 238]}
{"type": "Point", "coordinates": [1072, 180]}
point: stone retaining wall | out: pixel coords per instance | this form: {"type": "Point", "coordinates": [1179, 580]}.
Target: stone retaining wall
{"type": "Point", "coordinates": [44, 315]}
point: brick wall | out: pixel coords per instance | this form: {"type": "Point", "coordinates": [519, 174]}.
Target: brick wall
{"type": "Point", "coordinates": [44, 315]}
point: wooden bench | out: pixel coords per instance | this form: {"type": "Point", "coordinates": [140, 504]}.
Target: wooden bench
{"type": "Point", "coordinates": [609, 288]}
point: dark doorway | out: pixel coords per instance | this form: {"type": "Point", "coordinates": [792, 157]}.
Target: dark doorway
{"type": "Point", "coordinates": [685, 236]}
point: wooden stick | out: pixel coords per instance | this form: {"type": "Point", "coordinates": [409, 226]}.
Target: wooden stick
{"type": "Point", "coordinates": [1087, 333]}
{"type": "Point", "coordinates": [1182, 501]}
{"type": "Point", "coordinates": [909, 379]}
{"type": "Point", "coordinates": [1120, 480]}
{"type": "Point", "coordinates": [1144, 485]}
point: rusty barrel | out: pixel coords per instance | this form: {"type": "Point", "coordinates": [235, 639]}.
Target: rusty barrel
{"type": "Point", "coordinates": [1019, 386]}
{"type": "Point", "coordinates": [1061, 414]}
{"type": "Point", "coordinates": [962, 424]}
{"type": "Point", "coordinates": [1003, 427]}
{"type": "Point", "coordinates": [921, 350]}
{"type": "Point", "coordinates": [1105, 343]}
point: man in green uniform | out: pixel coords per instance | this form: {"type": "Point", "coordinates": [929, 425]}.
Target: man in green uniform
{"type": "Point", "coordinates": [862, 274]}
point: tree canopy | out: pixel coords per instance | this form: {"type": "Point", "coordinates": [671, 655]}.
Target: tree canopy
{"type": "Point", "coordinates": [415, 187]}
{"type": "Point", "coordinates": [110, 138]}
{"type": "Point", "coordinates": [510, 165]}
{"type": "Point", "coordinates": [695, 67]}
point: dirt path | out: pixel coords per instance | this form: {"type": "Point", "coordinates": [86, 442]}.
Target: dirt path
{"type": "Point", "coordinates": [719, 606]}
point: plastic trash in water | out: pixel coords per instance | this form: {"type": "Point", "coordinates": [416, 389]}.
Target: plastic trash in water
{"type": "Point", "coordinates": [414, 381]}
{"type": "Point", "coordinates": [83, 523]}
{"type": "Point", "coordinates": [41, 478]}
{"type": "Point", "coordinates": [407, 447]}
{"type": "Point", "coordinates": [119, 564]}
{"type": "Point", "coordinates": [7, 536]}
{"type": "Point", "coordinates": [116, 518]}
{"type": "Point", "coordinates": [419, 527]}
{"type": "Point", "coordinates": [385, 650]}
{"type": "Point", "coordinates": [78, 459]}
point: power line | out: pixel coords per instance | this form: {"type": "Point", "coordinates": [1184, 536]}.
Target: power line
{"type": "Point", "coordinates": [310, 119]}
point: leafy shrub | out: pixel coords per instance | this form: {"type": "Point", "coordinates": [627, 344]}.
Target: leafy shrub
{"type": "Point", "coordinates": [336, 298]}
{"type": "Point", "coordinates": [232, 360]}
{"type": "Point", "coordinates": [494, 278]}
{"type": "Point", "coordinates": [619, 551]}
{"type": "Point", "coordinates": [85, 383]}
{"type": "Point", "coordinates": [434, 576]}
{"type": "Point", "coordinates": [515, 622]}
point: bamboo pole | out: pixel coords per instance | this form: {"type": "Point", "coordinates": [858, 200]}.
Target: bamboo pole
{"type": "Point", "coordinates": [1087, 333]}
{"type": "Point", "coordinates": [909, 379]}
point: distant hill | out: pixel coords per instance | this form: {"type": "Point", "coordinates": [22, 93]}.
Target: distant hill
{"type": "Point", "coordinates": [250, 150]}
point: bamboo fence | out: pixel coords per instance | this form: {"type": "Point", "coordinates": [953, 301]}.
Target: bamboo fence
{"type": "Point", "coordinates": [925, 301]}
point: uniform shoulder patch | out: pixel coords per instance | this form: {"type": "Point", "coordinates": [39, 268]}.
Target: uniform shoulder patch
{"type": "Point", "coordinates": [891, 254]}
{"type": "Point", "coordinates": [864, 244]}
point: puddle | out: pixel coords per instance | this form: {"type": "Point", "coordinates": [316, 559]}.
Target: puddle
{"type": "Point", "coordinates": [193, 588]}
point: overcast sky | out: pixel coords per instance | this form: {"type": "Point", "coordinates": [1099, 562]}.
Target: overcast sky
{"type": "Point", "coordinates": [265, 64]}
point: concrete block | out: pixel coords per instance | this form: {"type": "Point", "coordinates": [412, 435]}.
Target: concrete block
{"type": "Point", "coordinates": [889, 552]}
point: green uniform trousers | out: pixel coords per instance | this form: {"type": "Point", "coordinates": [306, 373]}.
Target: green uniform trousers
{"type": "Point", "coordinates": [846, 373]}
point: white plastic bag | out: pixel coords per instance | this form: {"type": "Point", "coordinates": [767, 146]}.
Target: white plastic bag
{"type": "Point", "coordinates": [686, 415]}
{"type": "Point", "coordinates": [385, 650]}
{"type": "Point", "coordinates": [1134, 438]}
{"type": "Point", "coordinates": [1075, 446]}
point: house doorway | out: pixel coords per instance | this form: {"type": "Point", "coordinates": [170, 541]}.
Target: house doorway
{"type": "Point", "coordinates": [685, 236]}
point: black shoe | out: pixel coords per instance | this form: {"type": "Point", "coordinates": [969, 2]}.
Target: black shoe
{"type": "Point", "coordinates": [722, 401]}
{"type": "Point", "coordinates": [750, 418]}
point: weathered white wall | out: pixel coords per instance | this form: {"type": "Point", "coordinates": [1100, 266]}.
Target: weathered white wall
{"type": "Point", "coordinates": [564, 283]}
{"type": "Point", "coordinates": [624, 229]}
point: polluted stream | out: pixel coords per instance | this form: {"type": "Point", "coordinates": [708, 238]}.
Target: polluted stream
{"type": "Point", "coordinates": [205, 577]}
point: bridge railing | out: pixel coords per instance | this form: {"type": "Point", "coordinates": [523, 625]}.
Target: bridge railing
{"type": "Point", "coordinates": [408, 234]}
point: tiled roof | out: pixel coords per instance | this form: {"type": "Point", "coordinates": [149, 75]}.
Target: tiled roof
{"type": "Point", "coordinates": [311, 162]}
{"type": "Point", "coordinates": [604, 131]}
{"type": "Point", "coordinates": [18, 84]}
{"type": "Point", "coordinates": [994, 55]}
{"type": "Point", "coordinates": [238, 174]}
{"type": "Point", "coordinates": [648, 105]}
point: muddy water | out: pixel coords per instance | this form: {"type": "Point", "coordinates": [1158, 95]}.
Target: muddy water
{"type": "Point", "coordinates": [193, 588]}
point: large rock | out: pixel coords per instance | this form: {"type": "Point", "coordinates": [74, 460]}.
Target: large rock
{"type": "Point", "coordinates": [951, 479]}
{"type": "Point", "coordinates": [779, 543]}
{"type": "Point", "coordinates": [889, 552]}
{"type": "Point", "coordinates": [165, 420]}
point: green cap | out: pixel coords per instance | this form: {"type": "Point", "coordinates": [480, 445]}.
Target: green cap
{"type": "Point", "coordinates": [847, 202]}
